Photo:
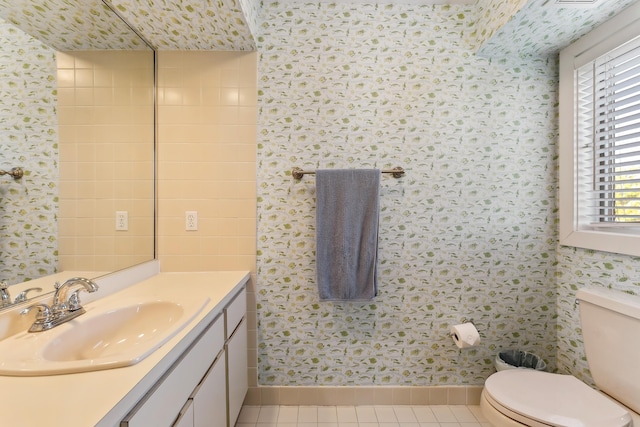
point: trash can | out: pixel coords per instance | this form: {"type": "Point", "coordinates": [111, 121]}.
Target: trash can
{"type": "Point", "coordinates": [513, 359]}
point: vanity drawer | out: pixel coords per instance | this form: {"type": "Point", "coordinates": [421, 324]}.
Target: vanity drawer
{"type": "Point", "coordinates": [162, 405]}
{"type": "Point", "coordinates": [234, 312]}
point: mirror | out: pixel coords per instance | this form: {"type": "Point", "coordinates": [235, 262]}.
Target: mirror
{"type": "Point", "coordinates": [77, 114]}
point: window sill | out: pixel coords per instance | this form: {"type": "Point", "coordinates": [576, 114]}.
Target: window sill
{"type": "Point", "coordinates": [603, 240]}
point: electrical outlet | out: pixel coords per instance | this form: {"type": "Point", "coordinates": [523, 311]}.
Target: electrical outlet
{"type": "Point", "coordinates": [122, 220]}
{"type": "Point", "coordinates": [191, 220]}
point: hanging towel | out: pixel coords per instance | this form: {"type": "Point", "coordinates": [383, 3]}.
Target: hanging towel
{"type": "Point", "coordinates": [347, 206]}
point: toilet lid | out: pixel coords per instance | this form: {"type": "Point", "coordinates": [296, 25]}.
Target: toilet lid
{"type": "Point", "coordinates": [554, 399]}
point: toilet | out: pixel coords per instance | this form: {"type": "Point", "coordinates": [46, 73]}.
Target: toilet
{"type": "Point", "coordinates": [611, 331]}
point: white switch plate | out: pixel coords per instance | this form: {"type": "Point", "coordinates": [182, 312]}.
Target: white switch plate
{"type": "Point", "coordinates": [191, 220]}
{"type": "Point", "coordinates": [122, 220]}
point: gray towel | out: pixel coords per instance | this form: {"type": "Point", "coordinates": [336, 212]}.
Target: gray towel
{"type": "Point", "coordinates": [347, 233]}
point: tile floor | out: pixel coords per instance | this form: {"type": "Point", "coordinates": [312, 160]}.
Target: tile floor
{"type": "Point", "coordinates": [362, 416]}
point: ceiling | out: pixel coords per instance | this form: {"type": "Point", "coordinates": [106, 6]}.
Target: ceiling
{"type": "Point", "coordinates": [506, 28]}
{"type": "Point", "coordinates": [543, 27]}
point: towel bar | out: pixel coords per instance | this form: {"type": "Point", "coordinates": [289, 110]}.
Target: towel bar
{"type": "Point", "coordinates": [298, 173]}
{"type": "Point", "coordinates": [16, 173]}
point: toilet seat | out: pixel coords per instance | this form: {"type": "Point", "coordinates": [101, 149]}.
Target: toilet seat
{"type": "Point", "coordinates": [543, 399]}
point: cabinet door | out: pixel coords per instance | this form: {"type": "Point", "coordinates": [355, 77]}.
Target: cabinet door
{"type": "Point", "coordinates": [162, 404]}
{"type": "Point", "coordinates": [210, 398]}
{"type": "Point", "coordinates": [186, 415]}
{"type": "Point", "coordinates": [237, 375]}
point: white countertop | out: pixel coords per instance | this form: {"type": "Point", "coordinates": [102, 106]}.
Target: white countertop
{"type": "Point", "coordinates": [103, 398]}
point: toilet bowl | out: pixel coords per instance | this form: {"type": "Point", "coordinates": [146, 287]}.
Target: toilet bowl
{"type": "Point", "coordinates": [524, 397]}
{"type": "Point", "coordinates": [610, 323]}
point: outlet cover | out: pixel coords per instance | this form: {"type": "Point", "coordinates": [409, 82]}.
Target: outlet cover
{"type": "Point", "coordinates": [191, 220]}
{"type": "Point", "coordinates": [122, 220]}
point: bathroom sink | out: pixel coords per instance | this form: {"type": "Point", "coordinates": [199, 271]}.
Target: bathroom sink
{"type": "Point", "coordinates": [105, 337]}
{"type": "Point", "coordinates": [116, 332]}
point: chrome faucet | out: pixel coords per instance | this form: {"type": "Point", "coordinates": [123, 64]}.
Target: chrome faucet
{"type": "Point", "coordinates": [60, 302]}
{"type": "Point", "coordinates": [62, 309]}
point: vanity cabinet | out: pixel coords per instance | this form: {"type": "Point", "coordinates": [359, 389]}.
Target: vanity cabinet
{"type": "Point", "coordinates": [236, 349]}
{"type": "Point", "coordinates": [210, 398]}
{"type": "Point", "coordinates": [185, 419]}
{"type": "Point", "coordinates": [206, 386]}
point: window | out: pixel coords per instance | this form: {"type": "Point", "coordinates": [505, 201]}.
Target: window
{"type": "Point", "coordinates": [608, 137]}
{"type": "Point", "coordinates": [600, 138]}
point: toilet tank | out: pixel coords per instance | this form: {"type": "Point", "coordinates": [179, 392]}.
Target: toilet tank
{"type": "Point", "coordinates": [611, 332]}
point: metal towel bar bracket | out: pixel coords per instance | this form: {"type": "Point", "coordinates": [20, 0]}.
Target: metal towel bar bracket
{"type": "Point", "coordinates": [298, 173]}
{"type": "Point", "coordinates": [16, 173]}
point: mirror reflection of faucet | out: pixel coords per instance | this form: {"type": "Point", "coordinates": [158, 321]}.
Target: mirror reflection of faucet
{"type": "Point", "coordinates": [22, 296]}
{"type": "Point", "coordinates": [5, 297]}
{"type": "Point", "coordinates": [63, 308]}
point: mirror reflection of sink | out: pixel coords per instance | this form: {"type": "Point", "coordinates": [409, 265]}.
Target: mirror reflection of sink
{"type": "Point", "coordinates": [103, 338]}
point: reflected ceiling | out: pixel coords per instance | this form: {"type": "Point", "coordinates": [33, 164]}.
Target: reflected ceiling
{"type": "Point", "coordinates": [70, 24]}
{"type": "Point", "coordinates": [194, 24]}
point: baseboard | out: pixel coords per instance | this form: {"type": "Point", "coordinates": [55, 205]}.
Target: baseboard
{"type": "Point", "coordinates": [353, 396]}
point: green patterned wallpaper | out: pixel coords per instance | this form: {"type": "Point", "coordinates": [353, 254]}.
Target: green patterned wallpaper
{"type": "Point", "coordinates": [28, 138]}
{"type": "Point", "coordinates": [537, 27]}
{"type": "Point", "coordinates": [579, 268]}
{"type": "Point", "coordinates": [493, 15]}
{"type": "Point", "coordinates": [469, 232]}
{"type": "Point", "coordinates": [71, 24]}
{"type": "Point", "coordinates": [166, 24]}
{"type": "Point", "coordinates": [194, 25]}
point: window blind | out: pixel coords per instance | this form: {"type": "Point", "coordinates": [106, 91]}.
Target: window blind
{"type": "Point", "coordinates": [607, 131]}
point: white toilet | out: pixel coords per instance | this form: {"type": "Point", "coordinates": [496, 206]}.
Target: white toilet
{"type": "Point", "coordinates": [611, 331]}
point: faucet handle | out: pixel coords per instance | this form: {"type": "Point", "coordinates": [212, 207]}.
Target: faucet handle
{"type": "Point", "coordinates": [44, 318]}
{"type": "Point", "coordinates": [22, 296]}
{"type": "Point", "coordinates": [58, 306]}
{"type": "Point", "coordinates": [44, 312]}
{"type": "Point", "coordinates": [73, 303]}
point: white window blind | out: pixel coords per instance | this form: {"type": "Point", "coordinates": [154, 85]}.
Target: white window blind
{"type": "Point", "coordinates": [607, 131]}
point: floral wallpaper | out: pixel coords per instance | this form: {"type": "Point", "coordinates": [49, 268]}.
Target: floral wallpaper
{"type": "Point", "coordinates": [71, 25]}
{"type": "Point", "coordinates": [468, 233]}
{"type": "Point", "coordinates": [493, 15]}
{"type": "Point", "coordinates": [464, 97]}
{"type": "Point", "coordinates": [540, 27]}
{"type": "Point", "coordinates": [579, 268]}
{"type": "Point", "coordinates": [193, 25]}
{"type": "Point", "coordinates": [526, 34]}
{"type": "Point", "coordinates": [28, 138]}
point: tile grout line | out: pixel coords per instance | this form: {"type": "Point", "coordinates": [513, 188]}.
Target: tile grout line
{"type": "Point", "coordinates": [362, 415]}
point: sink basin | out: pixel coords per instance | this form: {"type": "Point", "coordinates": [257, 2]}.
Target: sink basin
{"type": "Point", "coordinates": [105, 337]}
{"type": "Point", "coordinates": [115, 332]}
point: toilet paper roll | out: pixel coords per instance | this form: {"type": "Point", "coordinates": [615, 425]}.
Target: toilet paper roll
{"type": "Point", "coordinates": [465, 335]}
